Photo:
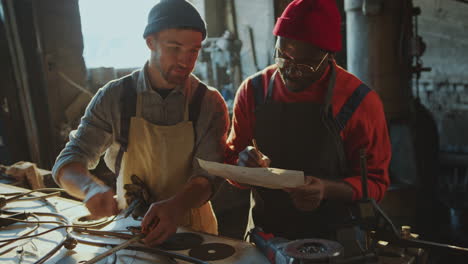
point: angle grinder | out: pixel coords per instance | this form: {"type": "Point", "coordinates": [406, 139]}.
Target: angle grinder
{"type": "Point", "coordinates": [303, 251]}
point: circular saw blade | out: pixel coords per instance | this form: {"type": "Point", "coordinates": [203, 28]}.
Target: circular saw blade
{"type": "Point", "coordinates": [212, 251]}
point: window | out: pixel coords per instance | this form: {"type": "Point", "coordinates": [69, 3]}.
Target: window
{"type": "Point", "coordinates": [113, 32]}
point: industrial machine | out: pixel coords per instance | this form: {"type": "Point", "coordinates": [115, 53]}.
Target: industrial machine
{"type": "Point", "coordinates": [384, 243]}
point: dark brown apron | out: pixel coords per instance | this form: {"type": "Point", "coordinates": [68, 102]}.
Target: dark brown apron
{"type": "Point", "coordinates": [305, 137]}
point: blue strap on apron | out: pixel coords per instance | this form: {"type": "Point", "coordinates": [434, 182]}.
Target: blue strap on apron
{"type": "Point", "coordinates": [343, 116]}
{"type": "Point", "coordinates": [351, 105]}
{"type": "Point", "coordinates": [257, 84]}
{"type": "Point", "coordinates": [128, 110]}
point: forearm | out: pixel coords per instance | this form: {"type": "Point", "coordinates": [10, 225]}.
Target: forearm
{"type": "Point", "coordinates": [376, 184]}
{"type": "Point", "coordinates": [338, 190]}
{"type": "Point", "coordinates": [195, 193]}
{"type": "Point", "coordinates": [75, 178]}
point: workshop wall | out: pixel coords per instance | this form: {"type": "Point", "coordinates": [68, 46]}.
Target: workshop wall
{"type": "Point", "coordinates": [444, 90]}
{"type": "Point", "coordinates": [255, 22]}
{"type": "Point", "coordinates": [13, 139]}
{"type": "Point", "coordinates": [62, 43]}
{"type": "Point", "coordinates": [45, 45]}
{"type": "Point", "coordinates": [443, 25]}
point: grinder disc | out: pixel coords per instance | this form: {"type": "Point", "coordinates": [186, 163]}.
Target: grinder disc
{"type": "Point", "coordinates": [314, 250]}
{"type": "Point", "coordinates": [182, 241]}
{"type": "Point", "coordinates": [212, 251]}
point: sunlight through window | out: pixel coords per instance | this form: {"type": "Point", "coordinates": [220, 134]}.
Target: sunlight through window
{"type": "Point", "coordinates": [112, 32]}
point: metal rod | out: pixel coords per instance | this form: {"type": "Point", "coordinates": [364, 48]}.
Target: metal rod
{"type": "Point", "coordinates": [115, 249]}
{"type": "Point", "coordinates": [150, 250]}
{"type": "Point", "coordinates": [103, 233]}
{"type": "Point", "coordinates": [363, 158]}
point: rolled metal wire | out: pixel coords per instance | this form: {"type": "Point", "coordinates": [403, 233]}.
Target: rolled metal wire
{"type": "Point", "coordinates": [25, 234]}
{"type": "Point", "coordinates": [69, 241]}
{"type": "Point", "coordinates": [150, 250]}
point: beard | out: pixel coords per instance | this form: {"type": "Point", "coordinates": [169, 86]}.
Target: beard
{"type": "Point", "coordinates": [294, 84]}
{"type": "Point", "coordinates": [298, 84]}
{"type": "Point", "coordinates": [175, 74]}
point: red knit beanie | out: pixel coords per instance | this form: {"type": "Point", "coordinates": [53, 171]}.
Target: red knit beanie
{"type": "Point", "coordinates": [316, 22]}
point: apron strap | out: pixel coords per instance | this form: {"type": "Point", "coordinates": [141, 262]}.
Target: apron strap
{"type": "Point", "coordinates": [271, 84]}
{"type": "Point", "coordinates": [195, 107]}
{"type": "Point", "coordinates": [127, 110]}
{"type": "Point", "coordinates": [187, 107]}
{"type": "Point", "coordinates": [258, 91]}
{"type": "Point", "coordinates": [351, 105]}
{"type": "Point", "coordinates": [196, 102]}
{"type": "Point", "coordinates": [331, 86]}
{"type": "Point", "coordinates": [139, 103]}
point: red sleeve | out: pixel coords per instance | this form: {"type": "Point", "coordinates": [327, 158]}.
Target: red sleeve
{"type": "Point", "coordinates": [242, 128]}
{"type": "Point", "coordinates": [367, 129]}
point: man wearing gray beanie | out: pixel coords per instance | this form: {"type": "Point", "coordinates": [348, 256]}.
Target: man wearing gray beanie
{"type": "Point", "coordinates": [152, 125]}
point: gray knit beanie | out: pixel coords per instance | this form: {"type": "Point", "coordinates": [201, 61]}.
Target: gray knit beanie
{"type": "Point", "coordinates": [174, 14]}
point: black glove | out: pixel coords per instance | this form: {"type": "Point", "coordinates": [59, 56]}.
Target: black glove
{"type": "Point", "coordinates": [138, 197]}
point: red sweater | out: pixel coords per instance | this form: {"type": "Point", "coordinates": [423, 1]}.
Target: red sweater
{"type": "Point", "coordinates": [367, 127]}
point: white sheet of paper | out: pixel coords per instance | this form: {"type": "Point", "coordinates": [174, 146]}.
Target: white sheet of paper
{"type": "Point", "coordinates": [271, 178]}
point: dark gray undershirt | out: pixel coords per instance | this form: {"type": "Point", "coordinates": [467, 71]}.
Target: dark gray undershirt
{"type": "Point", "coordinates": [163, 92]}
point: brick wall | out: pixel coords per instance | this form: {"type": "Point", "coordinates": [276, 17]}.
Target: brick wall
{"type": "Point", "coordinates": [444, 27]}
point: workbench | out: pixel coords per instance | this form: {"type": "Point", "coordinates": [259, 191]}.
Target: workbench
{"type": "Point", "coordinates": [31, 250]}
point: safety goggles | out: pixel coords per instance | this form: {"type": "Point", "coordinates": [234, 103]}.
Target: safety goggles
{"type": "Point", "coordinates": [296, 69]}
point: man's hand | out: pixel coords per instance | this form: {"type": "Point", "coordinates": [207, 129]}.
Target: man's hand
{"type": "Point", "coordinates": [101, 204]}
{"type": "Point", "coordinates": [161, 221]}
{"type": "Point", "coordinates": [309, 196]}
{"type": "Point", "coordinates": [252, 157]}
{"type": "Point", "coordinates": [75, 178]}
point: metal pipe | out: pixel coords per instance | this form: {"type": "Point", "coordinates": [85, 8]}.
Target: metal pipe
{"type": "Point", "coordinates": [115, 249]}
{"type": "Point", "coordinates": [365, 190]}
{"type": "Point", "coordinates": [378, 33]}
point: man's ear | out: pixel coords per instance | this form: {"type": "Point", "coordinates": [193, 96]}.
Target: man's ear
{"type": "Point", "coordinates": [151, 43]}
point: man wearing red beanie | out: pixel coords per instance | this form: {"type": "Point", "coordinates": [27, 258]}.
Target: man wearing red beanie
{"type": "Point", "coordinates": [307, 113]}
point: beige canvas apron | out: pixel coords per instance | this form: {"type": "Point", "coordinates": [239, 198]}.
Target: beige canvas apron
{"type": "Point", "coordinates": [162, 157]}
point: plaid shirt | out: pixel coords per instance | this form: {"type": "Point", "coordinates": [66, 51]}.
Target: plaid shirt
{"type": "Point", "coordinates": [100, 126]}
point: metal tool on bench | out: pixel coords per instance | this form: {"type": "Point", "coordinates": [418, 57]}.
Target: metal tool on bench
{"type": "Point", "coordinates": [379, 227]}
{"type": "Point", "coordinates": [370, 218]}
{"type": "Point", "coordinates": [115, 249]}
{"type": "Point", "coordinates": [18, 196]}
{"type": "Point", "coordinates": [128, 245]}
{"type": "Point", "coordinates": [282, 251]}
